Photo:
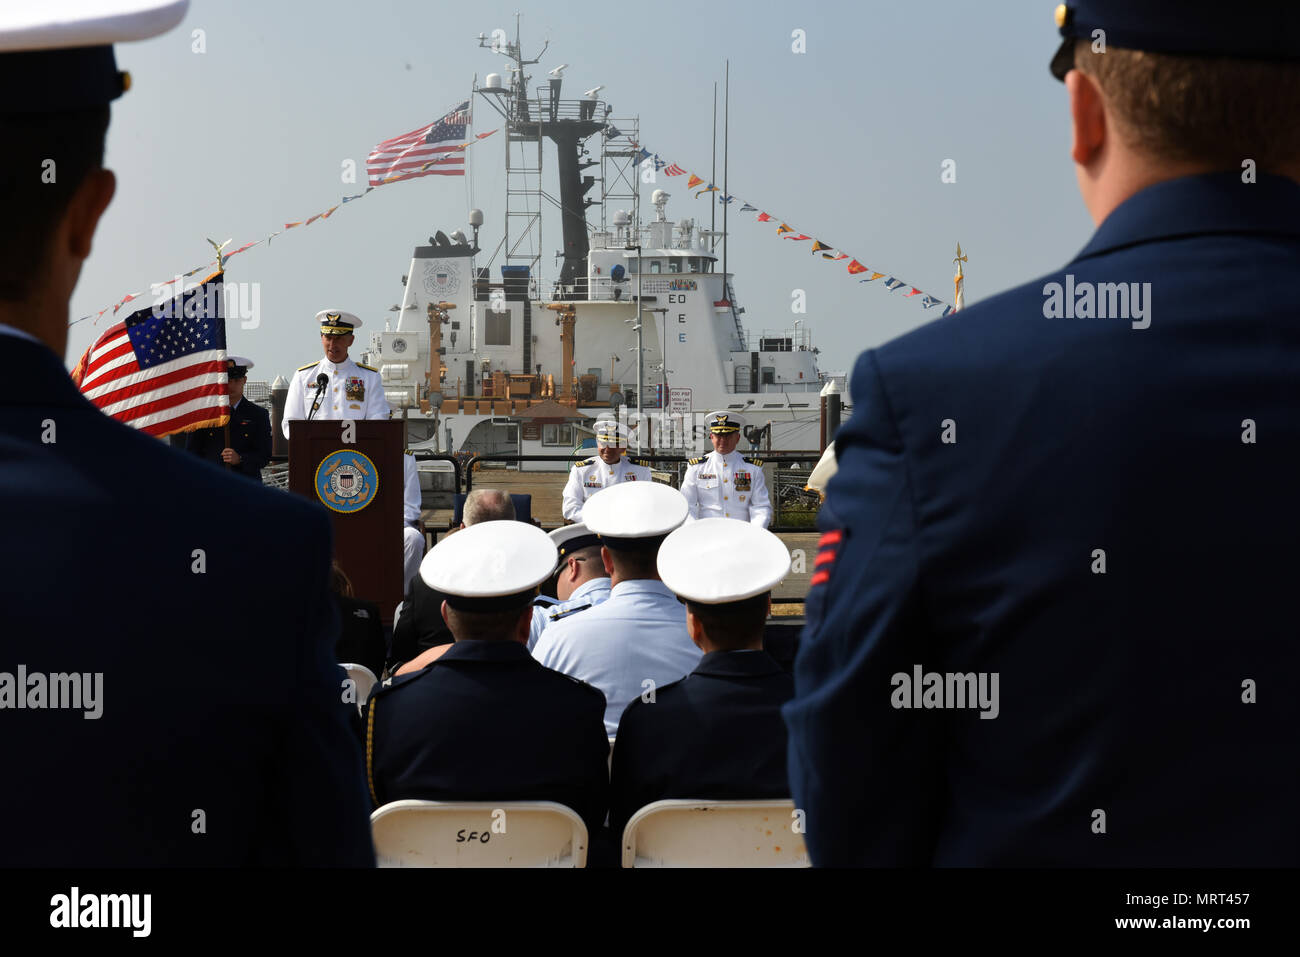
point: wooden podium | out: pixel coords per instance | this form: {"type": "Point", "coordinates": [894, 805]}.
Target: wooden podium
{"type": "Point", "coordinates": [363, 485]}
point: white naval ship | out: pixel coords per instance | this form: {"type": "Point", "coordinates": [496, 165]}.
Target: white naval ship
{"type": "Point", "coordinates": [488, 353]}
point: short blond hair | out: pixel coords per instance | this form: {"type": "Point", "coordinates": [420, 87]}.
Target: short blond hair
{"type": "Point", "coordinates": [1214, 110]}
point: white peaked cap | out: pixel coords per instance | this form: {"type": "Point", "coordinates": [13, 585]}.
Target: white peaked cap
{"type": "Point", "coordinates": [490, 560]}
{"type": "Point", "coordinates": [68, 24]}
{"type": "Point", "coordinates": [635, 510]}
{"type": "Point", "coordinates": [571, 538]}
{"type": "Point", "coordinates": [335, 320]}
{"type": "Point", "coordinates": [717, 560]}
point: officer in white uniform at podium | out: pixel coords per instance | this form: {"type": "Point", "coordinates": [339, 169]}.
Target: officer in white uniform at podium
{"type": "Point", "coordinates": [353, 391]}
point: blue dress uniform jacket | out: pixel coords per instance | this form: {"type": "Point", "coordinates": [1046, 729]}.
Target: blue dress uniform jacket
{"type": "Point", "coordinates": [717, 734]}
{"type": "Point", "coordinates": [485, 722]}
{"type": "Point", "coordinates": [250, 436]}
{"type": "Point", "coordinates": [1099, 536]}
{"type": "Point", "coordinates": [195, 760]}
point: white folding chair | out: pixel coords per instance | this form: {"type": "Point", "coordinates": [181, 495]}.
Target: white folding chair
{"type": "Point", "coordinates": [478, 834]}
{"type": "Point", "coordinates": [364, 679]}
{"type": "Point", "coordinates": [715, 834]}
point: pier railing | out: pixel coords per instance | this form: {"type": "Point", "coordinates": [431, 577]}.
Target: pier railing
{"type": "Point", "coordinates": [792, 509]}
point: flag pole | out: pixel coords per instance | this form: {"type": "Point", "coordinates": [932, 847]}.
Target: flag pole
{"type": "Point", "coordinates": [221, 268]}
{"type": "Point", "coordinates": [959, 282]}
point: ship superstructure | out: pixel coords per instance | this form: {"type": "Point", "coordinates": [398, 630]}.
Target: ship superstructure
{"type": "Point", "coordinates": [476, 355]}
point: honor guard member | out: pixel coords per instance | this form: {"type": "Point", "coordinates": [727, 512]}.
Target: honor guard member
{"type": "Point", "coordinates": [718, 733]}
{"type": "Point", "coordinates": [609, 467]}
{"type": "Point", "coordinates": [1068, 490]}
{"type": "Point", "coordinates": [636, 640]}
{"type": "Point", "coordinates": [249, 448]}
{"type": "Point", "coordinates": [485, 721]}
{"type": "Point", "coordinates": [239, 773]}
{"type": "Point", "coordinates": [725, 484]}
{"type": "Point", "coordinates": [581, 580]}
{"type": "Point", "coordinates": [347, 390]}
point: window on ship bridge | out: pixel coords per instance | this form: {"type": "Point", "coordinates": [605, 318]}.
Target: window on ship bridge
{"type": "Point", "coordinates": [497, 329]}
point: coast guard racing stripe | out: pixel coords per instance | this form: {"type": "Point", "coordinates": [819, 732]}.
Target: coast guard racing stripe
{"type": "Point", "coordinates": [828, 549]}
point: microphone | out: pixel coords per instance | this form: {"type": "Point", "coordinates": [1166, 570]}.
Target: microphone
{"type": "Point", "coordinates": [322, 381]}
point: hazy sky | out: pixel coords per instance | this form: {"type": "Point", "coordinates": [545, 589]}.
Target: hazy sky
{"type": "Point", "coordinates": [845, 141]}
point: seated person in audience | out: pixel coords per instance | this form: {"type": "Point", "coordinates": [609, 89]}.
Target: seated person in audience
{"type": "Point", "coordinates": [361, 632]}
{"type": "Point", "coordinates": [635, 641]}
{"type": "Point", "coordinates": [420, 626]}
{"type": "Point", "coordinates": [486, 722]}
{"type": "Point", "coordinates": [718, 733]}
{"type": "Point", "coordinates": [581, 581]}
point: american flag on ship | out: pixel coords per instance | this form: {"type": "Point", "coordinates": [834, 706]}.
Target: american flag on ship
{"type": "Point", "coordinates": [163, 369]}
{"type": "Point", "coordinates": [433, 150]}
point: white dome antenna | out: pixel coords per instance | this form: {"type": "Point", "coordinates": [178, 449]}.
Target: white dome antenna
{"type": "Point", "coordinates": [660, 199]}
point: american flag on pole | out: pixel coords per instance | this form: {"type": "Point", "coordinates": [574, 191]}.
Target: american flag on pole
{"type": "Point", "coordinates": [441, 143]}
{"type": "Point", "coordinates": [163, 369]}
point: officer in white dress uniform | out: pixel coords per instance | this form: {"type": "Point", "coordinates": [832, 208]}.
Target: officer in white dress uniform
{"type": "Point", "coordinates": [609, 467]}
{"type": "Point", "coordinates": [636, 641]}
{"type": "Point", "coordinates": [581, 580]}
{"type": "Point", "coordinates": [354, 391]}
{"type": "Point", "coordinates": [351, 391]}
{"type": "Point", "coordinates": [413, 529]}
{"type": "Point", "coordinates": [725, 484]}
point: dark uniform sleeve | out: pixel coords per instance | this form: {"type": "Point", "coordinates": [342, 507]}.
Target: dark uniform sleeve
{"type": "Point", "coordinates": [627, 790]}
{"type": "Point", "coordinates": [256, 457]}
{"type": "Point", "coordinates": [864, 772]}
{"type": "Point", "coordinates": [318, 777]}
{"type": "Point", "coordinates": [595, 754]}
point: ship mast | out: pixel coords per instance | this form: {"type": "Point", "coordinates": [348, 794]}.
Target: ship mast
{"type": "Point", "coordinates": [567, 123]}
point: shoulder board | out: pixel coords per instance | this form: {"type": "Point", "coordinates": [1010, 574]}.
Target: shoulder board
{"type": "Point", "coordinates": [758, 462]}
{"type": "Point", "coordinates": [545, 601]}
{"type": "Point", "coordinates": [409, 451]}
{"type": "Point", "coordinates": [584, 462]}
{"type": "Point", "coordinates": [565, 613]}
{"type": "Point", "coordinates": [589, 687]}
{"type": "Point", "coordinates": [392, 684]}
{"type": "Point", "coordinates": [310, 365]}
{"type": "Point", "coordinates": [694, 461]}
{"type": "Point", "coordinates": [367, 368]}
